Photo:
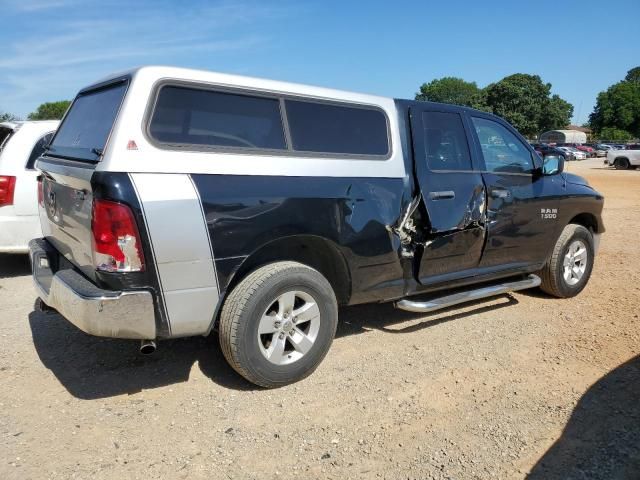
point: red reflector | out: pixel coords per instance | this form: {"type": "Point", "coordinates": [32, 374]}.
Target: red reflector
{"type": "Point", "coordinates": [7, 189]}
{"type": "Point", "coordinates": [116, 240]}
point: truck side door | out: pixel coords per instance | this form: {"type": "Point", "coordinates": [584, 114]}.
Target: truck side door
{"type": "Point", "coordinates": [517, 234]}
{"type": "Point", "coordinates": [453, 193]}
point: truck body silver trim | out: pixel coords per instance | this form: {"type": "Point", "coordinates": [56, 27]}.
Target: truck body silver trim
{"type": "Point", "coordinates": [180, 240]}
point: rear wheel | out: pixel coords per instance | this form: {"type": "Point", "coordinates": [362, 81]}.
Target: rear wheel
{"type": "Point", "coordinates": [569, 268]}
{"type": "Point", "coordinates": [621, 164]}
{"type": "Point", "coordinates": [278, 323]}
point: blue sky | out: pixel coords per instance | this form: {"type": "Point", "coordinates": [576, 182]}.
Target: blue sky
{"type": "Point", "coordinates": [52, 48]}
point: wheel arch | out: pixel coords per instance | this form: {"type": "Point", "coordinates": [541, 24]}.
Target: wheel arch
{"type": "Point", "coordinates": [311, 250]}
{"type": "Point", "coordinates": [587, 220]}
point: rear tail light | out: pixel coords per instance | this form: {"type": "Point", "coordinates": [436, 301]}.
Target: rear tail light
{"type": "Point", "coordinates": [7, 189]}
{"type": "Point", "coordinates": [116, 240]}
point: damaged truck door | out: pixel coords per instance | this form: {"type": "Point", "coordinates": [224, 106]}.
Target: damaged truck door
{"type": "Point", "coordinates": [453, 193]}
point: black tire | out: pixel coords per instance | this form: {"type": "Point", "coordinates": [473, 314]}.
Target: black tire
{"type": "Point", "coordinates": [245, 306]}
{"type": "Point", "coordinates": [553, 281]}
{"type": "Point", "coordinates": [621, 164]}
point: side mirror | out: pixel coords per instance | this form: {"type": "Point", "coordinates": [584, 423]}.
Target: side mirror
{"type": "Point", "coordinates": [552, 165]}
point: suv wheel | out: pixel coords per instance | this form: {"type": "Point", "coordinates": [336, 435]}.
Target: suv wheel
{"type": "Point", "coordinates": [278, 323]}
{"type": "Point", "coordinates": [621, 164]}
{"type": "Point", "coordinates": [569, 268]}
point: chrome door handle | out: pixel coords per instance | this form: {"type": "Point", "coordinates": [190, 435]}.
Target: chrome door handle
{"type": "Point", "coordinates": [500, 193]}
{"type": "Point", "coordinates": [444, 195]}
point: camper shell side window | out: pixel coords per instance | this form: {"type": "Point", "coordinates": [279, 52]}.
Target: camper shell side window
{"type": "Point", "coordinates": [192, 117]}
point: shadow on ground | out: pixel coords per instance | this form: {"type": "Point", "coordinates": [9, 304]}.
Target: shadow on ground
{"type": "Point", "coordinates": [14, 265]}
{"type": "Point", "coordinates": [91, 367]}
{"type": "Point", "coordinates": [602, 438]}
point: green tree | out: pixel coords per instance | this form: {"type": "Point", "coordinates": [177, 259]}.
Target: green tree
{"type": "Point", "coordinates": [618, 107]}
{"type": "Point", "coordinates": [8, 117]}
{"type": "Point", "coordinates": [556, 115]}
{"type": "Point", "coordinates": [453, 90]}
{"type": "Point", "coordinates": [524, 101]}
{"type": "Point", "coordinates": [612, 134]}
{"type": "Point", "coordinates": [50, 110]}
{"type": "Point", "coordinates": [633, 75]}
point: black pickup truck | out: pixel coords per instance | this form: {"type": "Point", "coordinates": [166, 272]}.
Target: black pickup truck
{"type": "Point", "coordinates": [178, 202]}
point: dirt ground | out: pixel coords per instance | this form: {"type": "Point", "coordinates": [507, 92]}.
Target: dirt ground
{"type": "Point", "coordinates": [522, 384]}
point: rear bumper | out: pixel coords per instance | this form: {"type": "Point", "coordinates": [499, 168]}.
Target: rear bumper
{"type": "Point", "coordinates": [104, 313]}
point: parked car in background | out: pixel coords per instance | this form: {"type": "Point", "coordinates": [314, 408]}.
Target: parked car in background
{"type": "Point", "coordinates": [545, 150]}
{"type": "Point", "coordinates": [624, 159]}
{"type": "Point", "coordinates": [603, 147]}
{"type": "Point", "coordinates": [574, 152]}
{"type": "Point", "coordinates": [21, 143]}
{"type": "Point", "coordinates": [599, 152]}
{"type": "Point", "coordinates": [588, 150]}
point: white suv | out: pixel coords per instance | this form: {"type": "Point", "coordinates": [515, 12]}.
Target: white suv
{"type": "Point", "coordinates": [21, 143]}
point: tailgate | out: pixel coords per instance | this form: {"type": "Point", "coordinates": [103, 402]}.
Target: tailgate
{"type": "Point", "coordinates": [67, 168]}
{"type": "Point", "coordinates": [65, 212]}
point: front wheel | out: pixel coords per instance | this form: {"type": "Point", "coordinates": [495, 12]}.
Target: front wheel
{"type": "Point", "coordinates": [569, 268]}
{"type": "Point", "coordinates": [278, 323]}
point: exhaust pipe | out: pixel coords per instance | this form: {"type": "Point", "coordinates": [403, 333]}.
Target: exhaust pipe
{"type": "Point", "coordinates": [147, 347]}
{"type": "Point", "coordinates": [40, 306]}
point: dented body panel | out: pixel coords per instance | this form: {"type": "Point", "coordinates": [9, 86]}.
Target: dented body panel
{"type": "Point", "coordinates": [246, 214]}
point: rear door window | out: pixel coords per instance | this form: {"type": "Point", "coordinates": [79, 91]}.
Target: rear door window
{"type": "Point", "coordinates": [86, 127]}
{"type": "Point", "coordinates": [445, 142]}
{"type": "Point", "coordinates": [190, 116]}
{"type": "Point", "coordinates": [337, 129]}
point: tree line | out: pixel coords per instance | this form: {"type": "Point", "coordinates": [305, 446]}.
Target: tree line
{"type": "Point", "coordinates": [46, 111]}
{"type": "Point", "coordinates": [616, 115]}
{"type": "Point", "coordinates": [526, 102]}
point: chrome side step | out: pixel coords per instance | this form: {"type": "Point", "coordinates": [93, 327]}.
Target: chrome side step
{"type": "Point", "coordinates": [468, 296]}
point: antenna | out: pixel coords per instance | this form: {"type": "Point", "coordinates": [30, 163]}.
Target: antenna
{"type": "Point", "coordinates": [579, 111]}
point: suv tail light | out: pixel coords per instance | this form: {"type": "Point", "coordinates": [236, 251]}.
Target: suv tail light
{"type": "Point", "coordinates": [7, 189]}
{"type": "Point", "coordinates": [116, 240]}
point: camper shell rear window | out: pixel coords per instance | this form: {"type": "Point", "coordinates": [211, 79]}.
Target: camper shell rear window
{"type": "Point", "coordinates": [190, 117]}
{"type": "Point", "coordinates": [86, 127]}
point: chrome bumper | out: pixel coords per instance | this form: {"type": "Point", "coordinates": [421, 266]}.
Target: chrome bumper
{"type": "Point", "coordinates": [104, 313]}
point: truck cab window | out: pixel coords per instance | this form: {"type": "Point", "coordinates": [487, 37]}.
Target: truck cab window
{"type": "Point", "coordinates": [503, 152]}
{"type": "Point", "coordinates": [446, 146]}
